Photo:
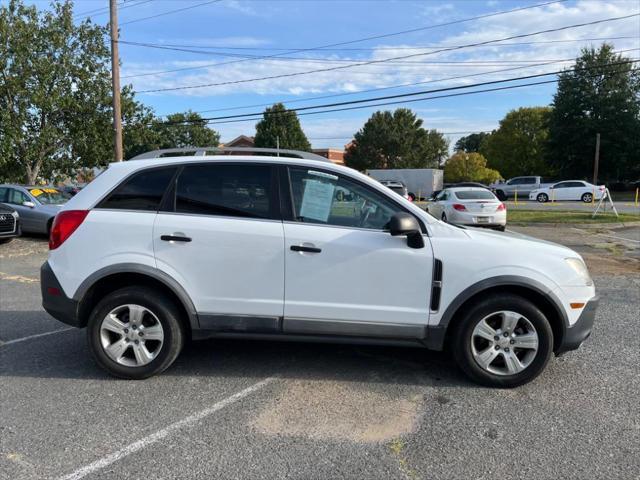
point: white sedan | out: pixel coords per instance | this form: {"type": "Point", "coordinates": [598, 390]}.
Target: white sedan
{"type": "Point", "coordinates": [469, 206]}
{"type": "Point", "coordinates": [568, 190]}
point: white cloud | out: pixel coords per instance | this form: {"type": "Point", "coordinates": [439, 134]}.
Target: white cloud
{"type": "Point", "coordinates": [409, 70]}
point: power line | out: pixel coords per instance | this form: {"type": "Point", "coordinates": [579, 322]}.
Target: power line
{"type": "Point", "coordinates": [347, 137]}
{"type": "Point", "coordinates": [386, 35]}
{"type": "Point", "coordinates": [400, 47]}
{"type": "Point", "coordinates": [457, 77]}
{"type": "Point", "coordinates": [303, 59]}
{"type": "Point", "coordinates": [359, 107]}
{"type": "Point", "coordinates": [170, 12]}
{"type": "Point", "coordinates": [389, 97]}
{"type": "Point", "coordinates": [405, 65]}
{"type": "Point", "coordinates": [371, 62]}
{"type": "Point", "coordinates": [103, 10]}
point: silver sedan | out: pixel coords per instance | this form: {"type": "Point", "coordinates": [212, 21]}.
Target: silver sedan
{"type": "Point", "coordinates": [36, 205]}
{"type": "Point", "coordinates": [473, 206]}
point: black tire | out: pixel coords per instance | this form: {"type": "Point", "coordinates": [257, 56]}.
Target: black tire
{"type": "Point", "coordinates": [6, 240]}
{"type": "Point", "coordinates": [500, 228]}
{"type": "Point", "coordinates": [542, 198]}
{"type": "Point", "coordinates": [587, 197]}
{"type": "Point", "coordinates": [167, 314]}
{"type": "Point", "coordinates": [501, 195]}
{"type": "Point", "coordinates": [462, 337]}
{"type": "Point", "coordinates": [444, 217]}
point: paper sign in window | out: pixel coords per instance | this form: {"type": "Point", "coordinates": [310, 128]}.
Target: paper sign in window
{"type": "Point", "coordinates": [317, 200]}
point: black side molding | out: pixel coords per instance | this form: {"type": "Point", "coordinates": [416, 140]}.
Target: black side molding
{"type": "Point", "coordinates": [436, 285]}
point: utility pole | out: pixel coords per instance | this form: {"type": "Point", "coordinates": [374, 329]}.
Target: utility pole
{"type": "Point", "coordinates": [115, 83]}
{"type": "Point", "coordinates": [597, 160]}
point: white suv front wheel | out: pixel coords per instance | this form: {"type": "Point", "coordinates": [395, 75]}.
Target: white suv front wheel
{"type": "Point", "coordinates": [503, 341]}
{"type": "Point", "coordinates": [135, 333]}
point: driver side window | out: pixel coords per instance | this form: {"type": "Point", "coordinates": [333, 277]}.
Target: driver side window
{"type": "Point", "coordinates": [329, 199]}
{"type": "Point", "coordinates": [16, 197]}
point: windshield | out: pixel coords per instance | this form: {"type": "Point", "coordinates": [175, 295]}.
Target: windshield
{"type": "Point", "coordinates": [49, 196]}
{"type": "Point", "coordinates": [475, 195]}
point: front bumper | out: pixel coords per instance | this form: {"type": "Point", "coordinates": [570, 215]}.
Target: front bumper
{"type": "Point", "coordinates": [577, 333]}
{"type": "Point", "coordinates": [16, 232]}
{"type": "Point", "coordinates": [54, 300]}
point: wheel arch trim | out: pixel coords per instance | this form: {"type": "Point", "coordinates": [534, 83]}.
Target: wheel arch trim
{"type": "Point", "coordinates": [437, 333]}
{"type": "Point", "coordinates": [145, 270]}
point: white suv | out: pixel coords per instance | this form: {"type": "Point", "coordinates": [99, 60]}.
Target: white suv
{"type": "Point", "coordinates": [173, 245]}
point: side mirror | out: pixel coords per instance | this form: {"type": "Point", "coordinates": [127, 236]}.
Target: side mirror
{"type": "Point", "coordinates": [404, 224]}
{"type": "Point", "coordinates": [28, 204]}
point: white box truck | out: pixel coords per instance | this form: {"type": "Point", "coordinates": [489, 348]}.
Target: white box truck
{"type": "Point", "coordinates": [420, 182]}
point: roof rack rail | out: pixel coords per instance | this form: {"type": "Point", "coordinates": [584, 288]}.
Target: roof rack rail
{"type": "Point", "coordinates": [202, 151]}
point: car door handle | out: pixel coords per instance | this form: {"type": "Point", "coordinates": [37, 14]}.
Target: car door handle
{"type": "Point", "coordinates": [174, 238]}
{"type": "Point", "coordinates": [303, 248]}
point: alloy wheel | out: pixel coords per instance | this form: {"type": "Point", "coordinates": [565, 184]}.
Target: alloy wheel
{"type": "Point", "coordinates": [131, 335]}
{"type": "Point", "coordinates": [504, 343]}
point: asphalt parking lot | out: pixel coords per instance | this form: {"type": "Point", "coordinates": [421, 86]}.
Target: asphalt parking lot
{"type": "Point", "coordinates": [305, 411]}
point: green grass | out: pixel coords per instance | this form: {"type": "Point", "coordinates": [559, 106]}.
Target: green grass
{"type": "Point", "coordinates": [564, 216]}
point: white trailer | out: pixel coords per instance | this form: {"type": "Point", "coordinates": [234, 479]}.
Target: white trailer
{"type": "Point", "coordinates": [421, 182]}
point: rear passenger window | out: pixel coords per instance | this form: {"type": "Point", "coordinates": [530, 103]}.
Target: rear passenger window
{"type": "Point", "coordinates": [143, 191]}
{"type": "Point", "coordinates": [227, 190]}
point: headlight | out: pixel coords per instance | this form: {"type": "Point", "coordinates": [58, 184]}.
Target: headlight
{"type": "Point", "coordinates": [580, 268]}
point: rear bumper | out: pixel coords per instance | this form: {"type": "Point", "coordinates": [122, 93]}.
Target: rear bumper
{"type": "Point", "coordinates": [575, 335]}
{"type": "Point", "coordinates": [54, 300]}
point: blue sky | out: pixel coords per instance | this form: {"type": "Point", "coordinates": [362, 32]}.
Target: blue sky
{"type": "Point", "coordinates": [228, 29]}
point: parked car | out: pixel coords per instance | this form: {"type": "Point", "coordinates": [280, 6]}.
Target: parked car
{"type": "Point", "coordinates": [36, 205]}
{"type": "Point", "coordinates": [472, 206]}
{"type": "Point", "coordinates": [9, 223]}
{"type": "Point", "coordinates": [523, 185]}
{"type": "Point", "coordinates": [194, 259]}
{"type": "Point", "coordinates": [397, 187]}
{"type": "Point", "coordinates": [575, 190]}
{"type": "Point", "coordinates": [420, 182]}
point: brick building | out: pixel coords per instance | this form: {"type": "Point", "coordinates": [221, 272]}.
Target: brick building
{"type": "Point", "coordinates": [334, 154]}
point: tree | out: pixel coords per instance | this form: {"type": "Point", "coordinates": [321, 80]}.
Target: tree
{"type": "Point", "coordinates": [144, 132]}
{"type": "Point", "coordinates": [519, 145]}
{"type": "Point", "coordinates": [396, 140]}
{"type": "Point", "coordinates": [469, 167]}
{"type": "Point", "coordinates": [599, 96]}
{"type": "Point", "coordinates": [54, 91]}
{"type": "Point", "coordinates": [280, 127]}
{"type": "Point", "coordinates": [471, 143]}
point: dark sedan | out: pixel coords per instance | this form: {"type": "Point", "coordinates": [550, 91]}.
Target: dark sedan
{"type": "Point", "coordinates": [9, 223]}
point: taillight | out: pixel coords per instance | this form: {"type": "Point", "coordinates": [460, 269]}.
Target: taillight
{"type": "Point", "coordinates": [65, 223]}
{"type": "Point", "coordinates": [459, 207]}
{"type": "Point", "coordinates": [501, 207]}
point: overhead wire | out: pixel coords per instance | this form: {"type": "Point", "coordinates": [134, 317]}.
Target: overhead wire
{"type": "Point", "coordinates": [170, 12]}
{"type": "Point", "coordinates": [304, 110]}
{"type": "Point", "coordinates": [456, 77]}
{"type": "Point", "coordinates": [371, 62]}
{"type": "Point", "coordinates": [402, 32]}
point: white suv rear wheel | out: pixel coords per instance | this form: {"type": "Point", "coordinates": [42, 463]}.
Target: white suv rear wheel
{"type": "Point", "coordinates": [135, 332]}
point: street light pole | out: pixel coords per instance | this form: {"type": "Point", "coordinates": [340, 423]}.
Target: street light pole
{"type": "Point", "coordinates": [115, 83]}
